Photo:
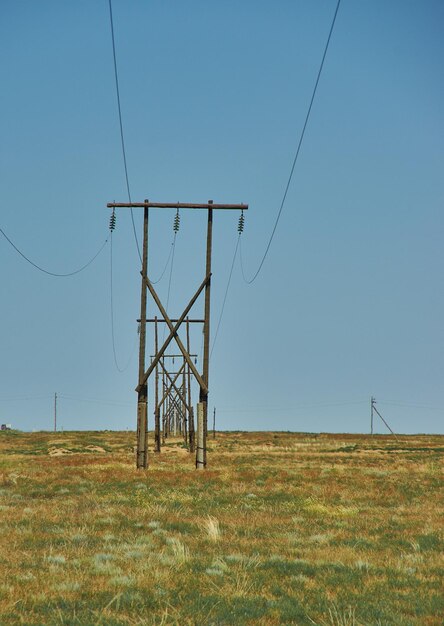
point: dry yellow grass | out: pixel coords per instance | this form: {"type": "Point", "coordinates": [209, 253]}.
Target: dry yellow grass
{"type": "Point", "coordinates": [281, 529]}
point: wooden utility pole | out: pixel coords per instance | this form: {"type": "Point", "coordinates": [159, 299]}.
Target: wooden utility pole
{"type": "Point", "coordinates": [174, 401]}
{"type": "Point", "coordinates": [192, 445]}
{"type": "Point", "coordinates": [372, 402]}
{"type": "Point", "coordinates": [55, 412]}
{"type": "Point", "coordinates": [203, 394]}
{"type": "Point", "coordinates": [156, 397]}
{"type": "Point", "coordinates": [378, 413]}
{"type": "Point", "coordinates": [200, 449]}
{"type": "Point", "coordinates": [214, 423]}
{"type": "Point", "coordinates": [142, 391]}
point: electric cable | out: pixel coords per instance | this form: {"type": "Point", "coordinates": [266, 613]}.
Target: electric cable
{"type": "Point", "coordinates": [200, 355]}
{"type": "Point", "coordinates": [42, 269]}
{"type": "Point", "coordinates": [298, 407]}
{"type": "Point", "coordinates": [301, 138]}
{"type": "Point", "coordinates": [26, 397]}
{"type": "Point", "coordinates": [154, 282]}
{"type": "Point", "coordinates": [169, 281]}
{"type": "Point", "coordinates": [119, 369]}
{"type": "Point", "coordinates": [92, 400]}
{"type": "Point", "coordinates": [411, 406]}
{"type": "Point", "coordinates": [122, 139]}
{"type": "Point", "coordinates": [226, 294]}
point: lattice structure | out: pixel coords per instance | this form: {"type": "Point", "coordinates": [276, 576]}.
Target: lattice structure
{"type": "Point", "coordinates": [173, 405]}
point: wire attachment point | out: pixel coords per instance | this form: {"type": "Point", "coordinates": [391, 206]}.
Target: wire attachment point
{"type": "Point", "coordinates": [240, 226]}
{"type": "Point", "coordinates": [176, 225]}
{"type": "Point", "coordinates": [112, 221]}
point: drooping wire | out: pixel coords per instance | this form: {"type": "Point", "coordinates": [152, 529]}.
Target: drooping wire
{"type": "Point", "coordinates": [92, 400]}
{"type": "Point", "coordinates": [417, 406]}
{"type": "Point", "coordinates": [200, 355]}
{"type": "Point", "coordinates": [176, 226]}
{"type": "Point", "coordinates": [122, 139]}
{"type": "Point", "coordinates": [42, 269]}
{"type": "Point", "coordinates": [169, 282]}
{"type": "Point", "coordinates": [154, 282]}
{"type": "Point", "coordinates": [301, 138]}
{"type": "Point", "coordinates": [116, 363]}
{"type": "Point", "coordinates": [228, 286]}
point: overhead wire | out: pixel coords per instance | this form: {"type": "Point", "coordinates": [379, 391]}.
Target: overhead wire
{"type": "Point", "coordinates": [45, 271]}
{"type": "Point", "coordinates": [154, 282]}
{"type": "Point", "coordinates": [315, 405]}
{"type": "Point", "coordinates": [411, 406]}
{"type": "Point", "coordinates": [116, 363]}
{"type": "Point", "coordinates": [225, 295]}
{"type": "Point", "coordinates": [122, 138]}
{"type": "Point", "coordinates": [301, 138]}
{"type": "Point", "coordinates": [125, 165]}
{"type": "Point", "coordinates": [169, 281]}
{"type": "Point", "coordinates": [92, 400]}
{"type": "Point", "coordinates": [26, 397]}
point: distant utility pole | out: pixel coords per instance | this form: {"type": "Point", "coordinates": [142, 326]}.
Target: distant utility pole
{"type": "Point", "coordinates": [374, 409]}
{"type": "Point", "coordinates": [372, 402]}
{"type": "Point", "coordinates": [55, 412]}
{"type": "Point", "coordinates": [214, 423]}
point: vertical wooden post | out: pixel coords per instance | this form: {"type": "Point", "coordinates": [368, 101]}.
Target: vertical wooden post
{"type": "Point", "coordinates": [371, 415]}
{"type": "Point", "coordinates": [142, 399]}
{"type": "Point", "coordinates": [55, 412]}
{"type": "Point", "coordinates": [164, 427]}
{"type": "Point", "coordinates": [214, 423]}
{"type": "Point", "coordinates": [200, 449]}
{"type": "Point", "coordinates": [191, 415]}
{"type": "Point", "coordinates": [156, 391]}
{"type": "Point", "coordinates": [203, 396]}
{"type": "Point", "coordinates": [184, 402]}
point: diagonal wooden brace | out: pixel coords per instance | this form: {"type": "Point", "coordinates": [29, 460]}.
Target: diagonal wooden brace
{"type": "Point", "coordinates": [175, 404]}
{"type": "Point", "coordinates": [167, 389]}
{"type": "Point", "coordinates": [173, 334]}
{"type": "Point", "coordinates": [173, 385]}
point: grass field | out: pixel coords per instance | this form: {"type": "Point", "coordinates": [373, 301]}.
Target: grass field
{"type": "Point", "coordinates": [281, 529]}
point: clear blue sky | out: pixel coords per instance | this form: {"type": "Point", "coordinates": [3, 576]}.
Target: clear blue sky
{"type": "Point", "coordinates": [214, 94]}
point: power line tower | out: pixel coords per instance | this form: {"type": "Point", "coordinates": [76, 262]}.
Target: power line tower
{"type": "Point", "coordinates": [202, 377]}
{"type": "Point", "coordinates": [175, 398]}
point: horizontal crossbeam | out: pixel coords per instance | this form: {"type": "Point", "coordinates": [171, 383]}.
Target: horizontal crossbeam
{"type": "Point", "coordinates": [174, 321]}
{"type": "Point", "coordinates": [175, 205]}
{"type": "Point", "coordinates": [173, 356]}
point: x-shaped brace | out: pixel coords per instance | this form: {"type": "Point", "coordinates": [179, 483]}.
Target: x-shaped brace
{"type": "Point", "coordinates": [172, 386]}
{"type": "Point", "coordinates": [173, 334]}
{"type": "Point", "coordinates": [175, 405]}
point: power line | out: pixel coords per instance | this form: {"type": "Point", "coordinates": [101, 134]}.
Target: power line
{"type": "Point", "coordinates": [120, 369]}
{"type": "Point", "coordinates": [92, 400]}
{"type": "Point", "coordinates": [122, 139]}
{"type": "Point", "coordinates": [300, 407]}
{"type": "Point", "coordinates": [42, 269]}
{"type": "Point", "coordinates": [26, 397]}
{"type": "Point", "coordinates": [154, 282]}
{"type": "Point", "coordinates": [249, 281]}
{"type": "Point", "coordinates": [169, 280]}
{"type": "Point", "coordinates": [411, 406]}
{"type": "Point", "coordinates": [226, 294]}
